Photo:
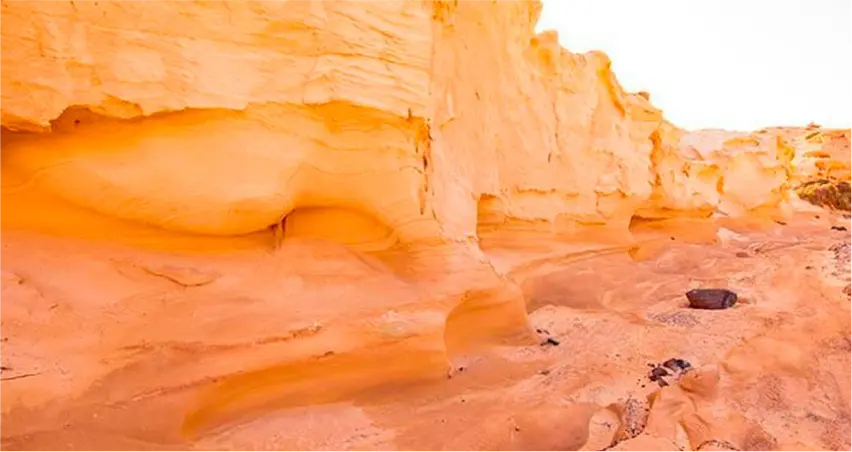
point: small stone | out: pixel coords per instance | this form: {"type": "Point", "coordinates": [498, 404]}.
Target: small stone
{"type": "Point", "coordinates": [838, 228]}
{"type": "Point", "coordinates": [742, 254]}
{"type": "Point", "coordinates": [711, 298]}
{"type": "Point", "coordinates": [550, 341]}
{"type": "Point", "coordinates": [669, 371]}
{"type": "Point", "coordinates": [677, 364]}
{"type": "Point", "coordinates": [657, 373]}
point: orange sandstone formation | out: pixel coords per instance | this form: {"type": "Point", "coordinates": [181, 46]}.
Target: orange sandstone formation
{"type": "Point", "coordinates": [394, 128]}
{"type": "Point", "coordinates": [737, 173]}
{"type": "Point", "coordinates": [820, 153]}
{"type": "Point", "coordinates": [407, 135]}
{"type": "Point", "coordinates": [269, 204]}
{"type": "Point", "coordinates": [823, 166]}
{"type": "Point", "coordinates": [754, 171]}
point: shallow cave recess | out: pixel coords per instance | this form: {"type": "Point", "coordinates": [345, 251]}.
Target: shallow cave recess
{"type": "Point", "coordinates": [347, 226]}
{"type": "Point", "coordinates": [490, 214]}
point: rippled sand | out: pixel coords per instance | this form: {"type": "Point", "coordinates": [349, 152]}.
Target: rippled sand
{"type": "Point", "coordinates": [771, 373]}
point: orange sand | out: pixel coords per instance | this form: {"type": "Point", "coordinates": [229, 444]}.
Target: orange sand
{"type": "Point", "coordinates": [125, 358]}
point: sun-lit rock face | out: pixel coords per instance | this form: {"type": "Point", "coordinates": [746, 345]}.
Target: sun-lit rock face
{"type": "Point", "coordinates": [752, 171]}
{"type": "Point", "coordinates": [706, 171]}
{"type": "Point", "coordinates": [223, 118]}
{"type": "Point", "coordinates": [821, 164]}
{"type": "Point", "coordinates": [820, 153]}
{"type": "Point", "coordinates": [322, 175]}
{"type": "Point", "coordinates": [396, 133]}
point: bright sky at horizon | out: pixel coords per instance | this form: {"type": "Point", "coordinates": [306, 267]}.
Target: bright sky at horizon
{"type": "Point", "coordinates": [732, 64]}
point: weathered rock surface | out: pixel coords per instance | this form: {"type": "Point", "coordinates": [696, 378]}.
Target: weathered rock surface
{"type": "Point", "coordinates": [436, 117]}
{"type": "Point", "coordinates": [415, 157]}
{"type": "Point", "coordinates": [822, 166]}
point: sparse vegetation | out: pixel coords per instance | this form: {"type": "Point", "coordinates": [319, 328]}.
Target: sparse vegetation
{"type": "Point", "coordinates": [834, 194]}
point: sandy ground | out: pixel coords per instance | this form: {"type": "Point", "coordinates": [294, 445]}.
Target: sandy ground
{"type": "Point", "coordinates": [99, 353]}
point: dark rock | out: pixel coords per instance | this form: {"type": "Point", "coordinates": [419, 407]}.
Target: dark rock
{"type": "Point", "coordinates": [657, 373]}
{"type": "Point", "coordinates": [711, 298]}
{"type": "Point", "coordinates": [670, 370]}
{"type": "Point", "coordinates": [677, 364]}
{"type": "Point", "coordinates": [742, 254]}
{"type": "Point", "coordinates": [550, 341]}
{"type": "Point", "coordinates": [838, 228]}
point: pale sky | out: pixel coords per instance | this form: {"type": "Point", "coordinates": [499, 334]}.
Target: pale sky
{"type": "Point", "coordinates": [733, 64]}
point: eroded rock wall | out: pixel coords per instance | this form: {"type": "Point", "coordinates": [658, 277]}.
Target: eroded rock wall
{"type": "Point", "coordinates": [540, 136]}
{"type": "Point", "coordinates": [425, 118]}
{"type": "Point", "coordinates": [820, 153]}
{"type": "Point", "coordinates": [401, 133]}
{"type": "Point", "coordinates": [736, 173]}
{"type": "Point", "coordinates": [221, 118]}
{"type": "Point", "coordinates": [410, 113]}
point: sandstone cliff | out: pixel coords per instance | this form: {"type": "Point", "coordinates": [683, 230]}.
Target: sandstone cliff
{"type": "Point", "coordinates": [409, 130]}
{"type": "Point", "coordinates": [436, 117]}
{"type": "Point", "coordinates": [278, 202]}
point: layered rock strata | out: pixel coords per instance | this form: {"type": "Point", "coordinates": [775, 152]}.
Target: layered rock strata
{"type": "Point", "coordinates": [310, 183]}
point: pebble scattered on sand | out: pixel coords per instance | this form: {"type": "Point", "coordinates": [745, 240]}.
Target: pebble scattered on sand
{"type": "Point", "coordinates": [711, 298]}
{"type": "Point", "coordinates": [668, 371]}
{"type": "Point", "coordinates": [548, 340]}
